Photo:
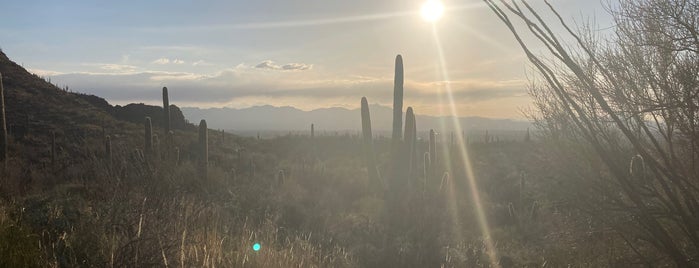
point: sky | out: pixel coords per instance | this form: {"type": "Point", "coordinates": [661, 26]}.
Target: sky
{"type": "Point", "coordinates": [307, 54]}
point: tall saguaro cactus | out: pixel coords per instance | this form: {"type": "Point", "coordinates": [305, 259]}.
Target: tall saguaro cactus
{"type": "Point", "coordinates": [398, 99]}
{"type": "Point", "coordinates": [313, 131]}
{"type": "Point", "coordinates": [203, 149]}
{"type": "Point", "coordinates": [166, 109]}
{"type": "Point", "coordinates": [396, 154]}
{"type": "Point", "coordinates": [369, 143]}
{"type": "Point", "coordinates": [3, 124]}
{"type": "Point", "coordinates": [148, 138]}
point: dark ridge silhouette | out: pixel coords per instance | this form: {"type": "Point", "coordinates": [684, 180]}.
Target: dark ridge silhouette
{"type": "Point", "coordinates": [35, 108]}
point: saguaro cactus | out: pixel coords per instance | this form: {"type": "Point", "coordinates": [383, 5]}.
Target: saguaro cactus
{"type": "Point", "coordinates": [166, 110]}
{"type": "Point", "coordinates": [312, 131]}
{"type": "Point", "coordinates": [427, 166]}
{"type": "Point", "coordinates": [396, 154]}
{"type": "Point", "coordinates": [3, 124]}
{"type": "Point", "coordinates": [369, 143]}
{"type": "Point", "coordinates": [148, 138]}
{"type": "Point", "coordinates": [410, 141]}
{"type": "Point", "coordinates": [433, 147]}
{"type": "Point", "coordinates": [203, 149]}
{"type": "Point", "coordinates": [398, 100]}
{"type": "Point", "coordinates": [108, 148]}
{"type": "Point", "coordinates": [53, 148]}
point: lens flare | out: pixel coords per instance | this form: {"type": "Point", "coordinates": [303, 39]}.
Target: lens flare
{"type": "Point", "coordinates": [256, 247]}
{"type": "Point", "coordinates": [432, 10]}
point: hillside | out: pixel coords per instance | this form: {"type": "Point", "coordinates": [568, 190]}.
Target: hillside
{"type": "Point", "coordinates": [35, 108]}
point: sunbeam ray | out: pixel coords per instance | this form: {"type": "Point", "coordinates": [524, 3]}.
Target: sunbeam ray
{"type": "Point", "coordinates": [480, 213]}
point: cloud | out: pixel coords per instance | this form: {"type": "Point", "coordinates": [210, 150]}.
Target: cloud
{"type": "Point", "coordinates": [164, 61]}
{"type": "Point", "coordinates": [270, 65]}
{"type": "Point", "coordinates": [161, 61]}
{"type": "Point", "coordinates": [41, 72]}
{"type": "Point", "coordinates": [201, 63]}
{"type": "Point", "coordinates": [118, 67]}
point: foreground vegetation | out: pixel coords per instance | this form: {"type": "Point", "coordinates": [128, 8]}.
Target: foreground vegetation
{"type": "Point", "coordinates": [609, 178]}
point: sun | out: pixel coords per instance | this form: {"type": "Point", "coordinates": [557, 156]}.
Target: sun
{"type": "Point", "coordinates": [432, 10]}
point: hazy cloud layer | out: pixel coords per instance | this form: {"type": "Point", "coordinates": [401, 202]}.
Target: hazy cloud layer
{"type": "Point", "coordinates": [270, 65]}
{"type": "Point", "coordinates": [246, 85]}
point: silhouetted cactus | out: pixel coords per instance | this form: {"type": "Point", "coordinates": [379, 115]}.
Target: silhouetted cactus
{"type": "Point", "coordinates": [232, 174]}
{"type": "Point", "coordinates": [522, 177]}
{"type": "Point", "coordinates": [252, 166]}
{"type": "Point", "coordinates": [444, 184]}
{"type": "Point", "coordinates": [108, 148]}
{"type": "Point", "coordinates": [166, 110]}
{"type": "Point", "coordinates": [3, 124]}
{"type": "Point", "coordinates": [433, 147]}
{"type": "Point", "coordinates": [176, 155]}
{"type": "Point", "coordinates": [369, 143]}
{"type": "Point", "coordinates": [427, 165]}
{"type": "Point", "coordinates": [396, 137]}
{"type": "Point", "coordinates": [203, 150]}
{"type": "Point", "coordinates": [527, 137]}
{"type": "Point", "coordinates": [27, 125]}
{"type": "Point", "coordinates": [148, 138]}
{"type": "Point", "coordinates": [637, 168]}
{"type": "Point", "coordinates": [410, 142]}
{"type": "Point", "coordinates": [312, 131]}
{"type": "Point", "coordinates": [53, 148]}
{"type": "Point", "coordinates": [398, 99]}
{"type": "Point", "coordinates": [281, 177]}
{"type": "Point", "coordinates": [156, 146]}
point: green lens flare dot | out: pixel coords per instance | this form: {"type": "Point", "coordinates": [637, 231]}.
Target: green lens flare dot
{"type": "Point", "coordinates": [256, 247]}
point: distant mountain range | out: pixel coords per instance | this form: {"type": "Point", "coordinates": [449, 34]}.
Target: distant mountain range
{"type": "Point", "coordinates": [270, 118]}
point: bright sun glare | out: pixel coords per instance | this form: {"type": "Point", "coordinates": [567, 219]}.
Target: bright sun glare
{"type": "Point", "coordinates": [432, 10]}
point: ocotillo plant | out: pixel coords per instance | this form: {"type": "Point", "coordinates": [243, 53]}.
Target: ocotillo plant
{"type": "Point", "coordinates": [166, 110]}
{"type": "Point", "coordinates": [203, 150]}
{"type": "Point", "coordinates": [369, 143]}
{"type": "Point", "coordinates": [396, 136]}
{"type": "Point", "coordinates": [3, 123]}
{"type": "Point", "coordinates": [148, 138]}
{"type": "Point", "coordinates": [410, 141]}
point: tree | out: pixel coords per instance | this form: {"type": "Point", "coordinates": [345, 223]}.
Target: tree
{"type": "Point", "coordinates": [631, 98]}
